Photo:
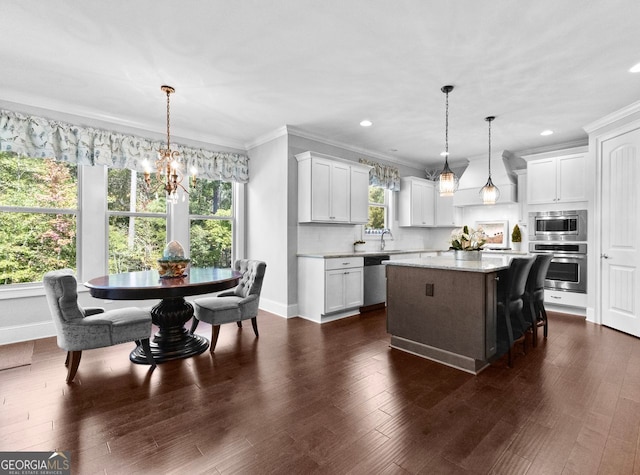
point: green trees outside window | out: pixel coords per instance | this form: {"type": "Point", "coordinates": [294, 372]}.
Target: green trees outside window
{"type": "Point", "coordinates": [377, 210]}
{"type": "Point", "coordinates": [211, 212]}
{"type": "Point", "coordinates": [38, 202]}
{"type": "Point", "coordinates": [137, 222]}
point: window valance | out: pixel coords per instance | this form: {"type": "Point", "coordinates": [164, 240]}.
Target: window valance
{"type": "Point", "coordinates": [43, 138]}
{"type": "Point", "coordinates": [383, 176]}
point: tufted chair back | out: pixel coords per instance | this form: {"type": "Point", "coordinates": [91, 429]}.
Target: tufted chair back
{"type": "Point", "coordinates": [252, 277]}
{"type": "Point", "coordinates": [61, 289]}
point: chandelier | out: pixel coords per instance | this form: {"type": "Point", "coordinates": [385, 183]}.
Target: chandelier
{"type": "Point", "coordinates": [489, 192]}
{"type": "Point", "coordinates": [169, 163]}
{"type": "Point", "coordinates": [447, 180]}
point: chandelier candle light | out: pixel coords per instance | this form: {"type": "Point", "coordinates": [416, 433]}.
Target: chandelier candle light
{"type": "Point", "coordinates": [489, 192]}
{"type": "Point", "coordinates": [169, 163]}
{"type": "Point", "coordinates": [447, 180]}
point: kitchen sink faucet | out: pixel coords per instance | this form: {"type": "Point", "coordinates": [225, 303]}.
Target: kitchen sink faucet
{"type": "Point", "coordinates": [382, 243]}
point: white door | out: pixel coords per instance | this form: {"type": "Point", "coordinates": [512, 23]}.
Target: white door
{"type": "Point", "coordinates": [620, 256]}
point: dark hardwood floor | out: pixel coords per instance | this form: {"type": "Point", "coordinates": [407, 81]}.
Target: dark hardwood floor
{"type": "Point", "coordinates": [333, 399]}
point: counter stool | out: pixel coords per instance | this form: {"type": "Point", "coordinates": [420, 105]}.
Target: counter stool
{"type": "Point", "coordinates": [511, 324]}
{"type": "Point", "coordinates": [534, 295]}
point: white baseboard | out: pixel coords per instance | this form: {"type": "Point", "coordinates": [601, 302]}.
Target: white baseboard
{"type": "Point", "coordinates": [33, 331]}
{"type": "Point", "coordinates": [286, 311]}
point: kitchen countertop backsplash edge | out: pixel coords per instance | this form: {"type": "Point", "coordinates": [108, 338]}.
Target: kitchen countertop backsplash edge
{"type": "Point", "coordinates": [329, 255]}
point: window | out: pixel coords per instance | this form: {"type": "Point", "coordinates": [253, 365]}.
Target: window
{"type": "Point", "coordinates": [137, 221]}
{"type": "Point", "coordinates": [211, 217]}
{"type": "Point", "coordinates": [378, 211]}
{"type": "Point", "coordinates": [38, 206]}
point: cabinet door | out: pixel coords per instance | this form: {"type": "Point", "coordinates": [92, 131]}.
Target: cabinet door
{"type": "Point", "coordinates": [334, 290]}
{"type": "Point", "coordinates": [571, 179]}
{"type": "Point", "coordinates": [340, 192]}
{"type": "Point", "coordinates": [353, 287]}
{"type": "Point", "coordinates": [541, 181]}
{"type": "Point", "coordinates": [359, 195]}
{"type": "Point", "coordinates": [444, 209]}
{"type": "Point", "coordinates": [423, 204]}
{"type": "Point", "coordinates": [320, 190]}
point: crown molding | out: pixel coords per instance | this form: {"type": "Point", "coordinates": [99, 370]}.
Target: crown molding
{"type": "Point", "coordinates": [620, 114]}
{"type": "Point", "coordinates": [268, 137]}
{"type": "Point", "coordinates": [305, 134]}
{"type": "Point", "coordinates": [553, 148]}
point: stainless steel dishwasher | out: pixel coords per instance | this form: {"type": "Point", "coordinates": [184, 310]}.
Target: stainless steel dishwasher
{"type": "Point", "coordinates": [375, 282]}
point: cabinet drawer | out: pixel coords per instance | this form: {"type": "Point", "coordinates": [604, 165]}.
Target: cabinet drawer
{"type": "Point", "coordinates": [572, 299]}
{"type": "Point", "coordinates": [343, 263]}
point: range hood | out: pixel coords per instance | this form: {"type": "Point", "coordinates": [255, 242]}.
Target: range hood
{"type": "Point", "coordinates": [476, 174]}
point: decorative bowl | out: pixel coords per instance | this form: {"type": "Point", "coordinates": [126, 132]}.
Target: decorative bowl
{"type": "Point", "coordinates": [169, 268]}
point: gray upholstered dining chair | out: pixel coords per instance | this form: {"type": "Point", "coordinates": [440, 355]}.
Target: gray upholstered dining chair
{"type": "Point", "coordinates": [234, 305]}
{"type": "Point", "coordinates": [81, 329]}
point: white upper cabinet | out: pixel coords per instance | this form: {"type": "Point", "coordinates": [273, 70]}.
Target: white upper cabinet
{"type": "Point", "coordinates": [417, 202]}
{"type": "Point", "coordinates": [422, 206]}
{"type": "Point", "coordinates": [556, 177]}
{"type": "Point", "coordinates": [359, 195]}
{"type": "Point", "coordinates": [445, 215]}
{"type": "Point", "coordinates": [331, 190]}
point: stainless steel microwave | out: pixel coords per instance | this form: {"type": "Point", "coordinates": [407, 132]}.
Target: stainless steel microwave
{"type": "Point", "coordinates": [558, 225]}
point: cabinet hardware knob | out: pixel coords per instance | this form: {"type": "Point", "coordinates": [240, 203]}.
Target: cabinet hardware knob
{"type": "Point", "coordinates": [605, 256]}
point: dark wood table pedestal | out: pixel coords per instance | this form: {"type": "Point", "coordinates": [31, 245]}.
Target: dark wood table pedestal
{"type": "Point", "coordinates": [172, 340]}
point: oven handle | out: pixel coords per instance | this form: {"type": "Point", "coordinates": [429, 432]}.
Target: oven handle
{"type": "Point", "coordinates": [564, 255]}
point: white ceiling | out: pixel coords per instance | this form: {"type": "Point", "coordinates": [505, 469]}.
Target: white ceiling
{"type": "Point", "coordinates": [244, 68]}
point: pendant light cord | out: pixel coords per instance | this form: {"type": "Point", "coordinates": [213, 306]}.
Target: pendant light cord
{"type": "Point", "coordinates": [446, 128]}
{"type": "Point", "coordinates": [489, 149]}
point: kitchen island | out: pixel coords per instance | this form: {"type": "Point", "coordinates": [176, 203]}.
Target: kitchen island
{"type": "Point", "coordinates": [445, 309]}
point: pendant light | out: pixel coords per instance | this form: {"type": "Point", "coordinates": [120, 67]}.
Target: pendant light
{"type": "Point", "coordinates": [489, 192]}
{"type": "Point", "coordinates": [447, 180]}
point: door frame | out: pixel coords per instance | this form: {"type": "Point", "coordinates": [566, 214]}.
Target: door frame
{"type": "Point", "coordinates": [607, 128]}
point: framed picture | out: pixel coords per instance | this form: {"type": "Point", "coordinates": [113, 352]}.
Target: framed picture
{"type": "Point", "coordinates": [497, 234]}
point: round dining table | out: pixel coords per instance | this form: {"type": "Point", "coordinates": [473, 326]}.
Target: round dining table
{"type": "Point", "coordinates": [172, 340]}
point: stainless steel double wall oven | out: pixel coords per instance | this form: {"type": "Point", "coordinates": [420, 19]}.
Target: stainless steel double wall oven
{"type": "Point", "coordinates": [563, 234]}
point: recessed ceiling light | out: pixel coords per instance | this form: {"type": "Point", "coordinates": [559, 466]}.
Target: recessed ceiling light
{"type": "Point", "coordinates": [635, 69]}
{"type": "Point", "coordinates": [546, 132]}
{"type": "Point", "coordinates": [366, 123]}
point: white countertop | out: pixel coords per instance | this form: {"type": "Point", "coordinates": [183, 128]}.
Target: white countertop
{"type": "Point", "coordinates": [329, 255]}
{"type": "Point", "coordinates": [485, 265]}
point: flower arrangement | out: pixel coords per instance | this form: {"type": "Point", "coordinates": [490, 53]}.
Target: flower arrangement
{"type": "Point", "coordinates": [468, 239]}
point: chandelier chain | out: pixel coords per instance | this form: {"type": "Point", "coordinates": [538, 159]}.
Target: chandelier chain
{"type": "Point", "coordinates": [168, 118]}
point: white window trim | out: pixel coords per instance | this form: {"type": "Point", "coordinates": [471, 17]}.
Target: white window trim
{"type": "Point", "coordinates": [92, 227]}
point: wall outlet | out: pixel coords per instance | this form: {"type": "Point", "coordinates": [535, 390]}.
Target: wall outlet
{"type": "Point", "coordinates": [429, 290]}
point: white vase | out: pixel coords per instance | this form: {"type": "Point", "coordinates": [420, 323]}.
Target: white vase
{"type": "Point", "coordinates": [467, 255]}
{"type": "Point", "coordinates": [516, 246]}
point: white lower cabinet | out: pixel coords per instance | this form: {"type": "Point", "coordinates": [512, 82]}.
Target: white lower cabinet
{"type": "Point", "coordinates": [330, 288]}
{"type": "Point", "coordinates": [570, 299]}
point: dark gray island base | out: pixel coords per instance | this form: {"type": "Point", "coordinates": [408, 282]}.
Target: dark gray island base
{"type": "Point", "coordinates": [444, 310]}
